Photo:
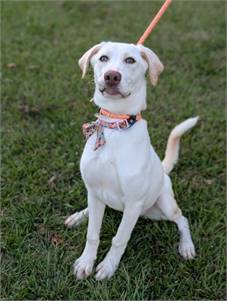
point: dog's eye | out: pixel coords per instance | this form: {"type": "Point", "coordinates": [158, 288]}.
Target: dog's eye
{"type": "Point", "coordinates": [130, 60]}
{"type": "Point", "coordinates": [104, 58]}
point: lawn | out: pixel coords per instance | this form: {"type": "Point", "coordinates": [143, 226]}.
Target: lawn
{"type": "Point", "coordinates": [44, 104]}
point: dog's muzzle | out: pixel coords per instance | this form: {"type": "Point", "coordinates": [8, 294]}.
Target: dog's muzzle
{"type": "Point", "coordinates": [112, 80]}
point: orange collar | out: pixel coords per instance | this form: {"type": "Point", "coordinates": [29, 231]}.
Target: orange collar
{"type": "Point", "coordinates": [136, 117]}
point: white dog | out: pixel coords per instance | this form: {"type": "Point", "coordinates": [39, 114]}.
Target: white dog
{"type": "Point", "coordinates": [119, 165]}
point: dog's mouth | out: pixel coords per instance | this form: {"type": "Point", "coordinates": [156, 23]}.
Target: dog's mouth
{"type": "Point", "coordinates": [113, 91]}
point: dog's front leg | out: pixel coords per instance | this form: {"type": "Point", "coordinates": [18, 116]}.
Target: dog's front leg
{"type": "Point", "coordinates": [83, 266]}
{"type": "Point", "coordinates": [109, 265]}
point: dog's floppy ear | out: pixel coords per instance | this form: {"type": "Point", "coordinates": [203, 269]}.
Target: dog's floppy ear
{"type": "Point", "coordinates": [84, 61]}
{"type": "Point", "coordinates": [155, 66]}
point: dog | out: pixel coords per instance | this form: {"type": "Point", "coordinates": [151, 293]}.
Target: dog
{"type": "Point", "coordinates": [119, 166]}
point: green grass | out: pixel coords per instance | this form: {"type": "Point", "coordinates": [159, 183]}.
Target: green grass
{"type": "Point", "coordinates": [45, 102]}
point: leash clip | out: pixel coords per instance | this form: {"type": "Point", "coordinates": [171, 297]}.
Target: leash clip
{"type": "Point", "coordinates": [121, 128]}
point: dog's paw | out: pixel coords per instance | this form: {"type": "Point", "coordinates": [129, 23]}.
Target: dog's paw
{"type": "Point", "coordinates": [106, 269]}
{"type": "Point", "coordinates": [83, 267]}
{"type": "Point", "coordinates": [76, 218]}
{"type": "Point", "coordinates": [187, 249]}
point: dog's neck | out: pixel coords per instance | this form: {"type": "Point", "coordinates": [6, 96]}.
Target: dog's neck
{"type": "Point", "coordinates": [133, 104]}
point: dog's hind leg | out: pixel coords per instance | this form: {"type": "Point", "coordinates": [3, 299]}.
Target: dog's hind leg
{"type": "Point", "coordinates": [166, 208]}
{"type": "Point", "coordinates": [76, 218]}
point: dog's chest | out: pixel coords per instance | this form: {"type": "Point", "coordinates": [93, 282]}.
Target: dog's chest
{"type": "Point", "coordinates": [99, 172]}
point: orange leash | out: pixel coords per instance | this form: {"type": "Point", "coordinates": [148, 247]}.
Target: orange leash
{"type": "Point", "coordinates": [154, 22]}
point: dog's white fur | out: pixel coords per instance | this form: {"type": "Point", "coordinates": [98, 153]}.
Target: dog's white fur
{"type": "Point", "coordinates": [126, 174]}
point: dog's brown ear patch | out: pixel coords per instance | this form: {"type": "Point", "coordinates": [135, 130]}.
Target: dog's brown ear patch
{"type": "Point", "coordinates": [84, 61]}
{"type": "Point", "coordinates": [155, 66]}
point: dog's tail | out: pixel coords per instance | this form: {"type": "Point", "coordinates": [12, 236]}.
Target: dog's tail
{"type": "Point", "coordinates": [173, 144]}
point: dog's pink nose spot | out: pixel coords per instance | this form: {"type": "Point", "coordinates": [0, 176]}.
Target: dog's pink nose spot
{"type": "Point", "coordinates": [112, 78]}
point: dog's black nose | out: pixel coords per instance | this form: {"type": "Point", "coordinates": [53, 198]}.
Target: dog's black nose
{"type": "Point", "coordinates": [112, 78]}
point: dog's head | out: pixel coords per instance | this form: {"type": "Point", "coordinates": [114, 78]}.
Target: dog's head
{"type": "Point", "coordinates": [119, 72]}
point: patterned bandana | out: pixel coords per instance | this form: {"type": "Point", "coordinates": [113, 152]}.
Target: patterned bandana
{"type": "Point", "coordinates": [99, 125]}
